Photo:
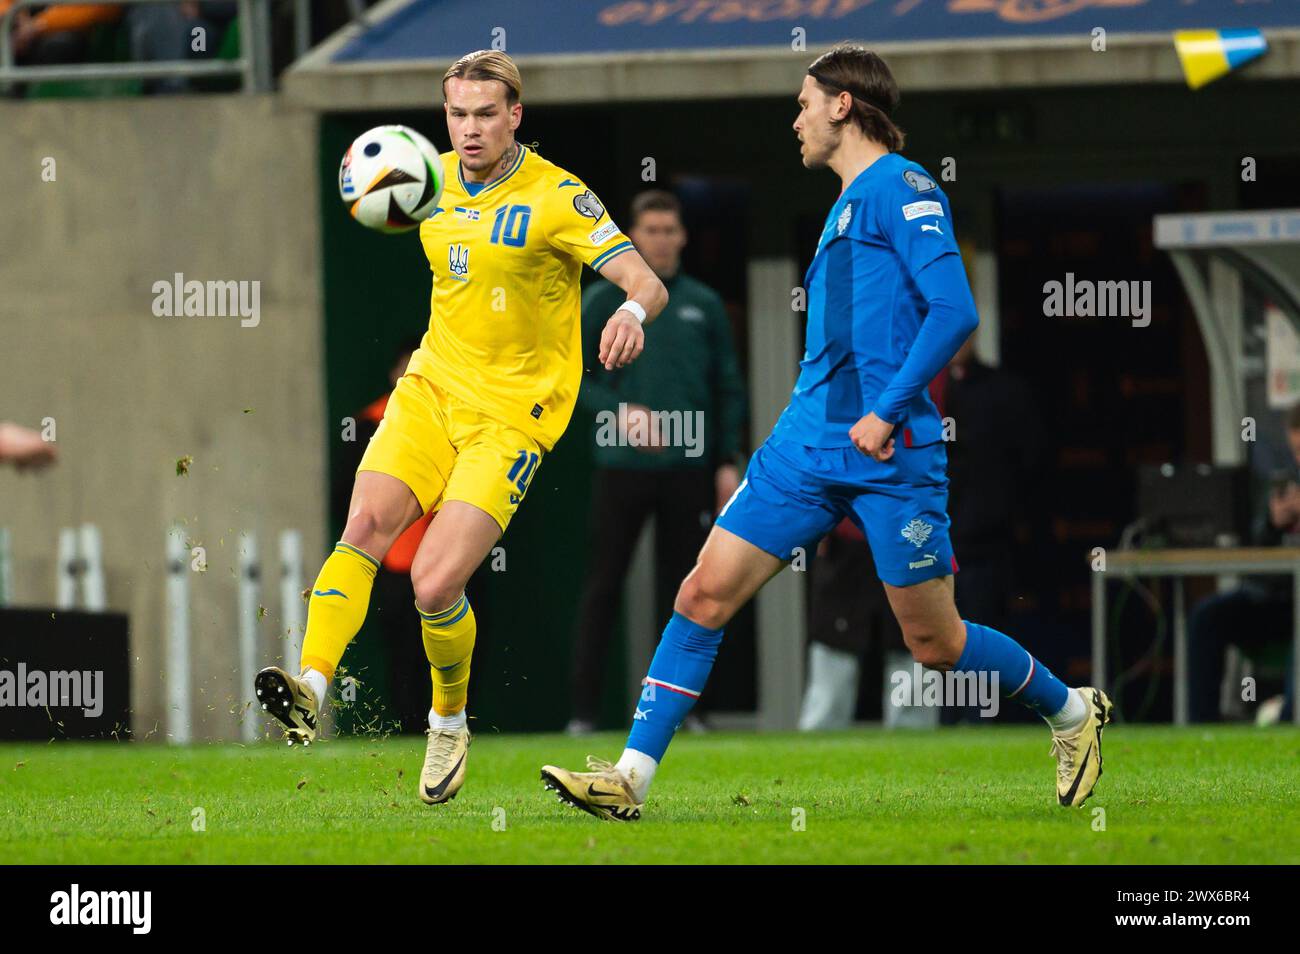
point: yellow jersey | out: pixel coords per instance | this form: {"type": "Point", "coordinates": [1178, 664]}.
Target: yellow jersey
{"type": "Point", "coordinates": [504, 331]}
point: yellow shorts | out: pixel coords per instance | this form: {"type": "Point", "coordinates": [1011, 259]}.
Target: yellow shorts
{"type": "Point", "coordinates": [443, 449]}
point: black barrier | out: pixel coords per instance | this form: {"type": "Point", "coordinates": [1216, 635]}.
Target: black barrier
{"type": "Point", "coordinates": [64, 675]}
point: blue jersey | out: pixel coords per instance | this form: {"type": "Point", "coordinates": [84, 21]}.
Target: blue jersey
{"type": "Point", "coordinates": [868, 302]}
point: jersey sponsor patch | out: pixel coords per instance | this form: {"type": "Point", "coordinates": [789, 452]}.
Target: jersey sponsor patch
{"type": "Point", "coordinates": [463, 213]}
{"type": "Point", "coordinates": [587, 204]}
{"type": "Point", "coordinates": [914, 210]}
{"type": "Point", "coordinates": [601, 234]}
{"type": "Point", "coordinates": [919, 180]}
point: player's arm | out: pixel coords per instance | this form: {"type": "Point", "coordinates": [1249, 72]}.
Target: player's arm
{"type": "Point", "coordinates": [935, 264]}
{"type": "Point", "coordinates": [578, 225]}
{"type": "Point", "coordinates": [623, 338]}
{"type": "Point", "coordinates": [24, 447]}
{"type": "Point", "coordinates": [595, 393]}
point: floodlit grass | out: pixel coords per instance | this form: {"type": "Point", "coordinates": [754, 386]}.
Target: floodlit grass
{"type": "Point", "coordinates": [960, 795]}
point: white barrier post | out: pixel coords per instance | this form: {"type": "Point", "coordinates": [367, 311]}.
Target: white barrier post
{"type": "Point", "coordinates": [66, 598]}
{"type": "Point", "coordinates": [250, 582]}
{"type": "Point", "coordinates": [178, 637]}
{"type": "Point", "coordinates": [90, 548]}
{"type": "Point", "coordinates": [6, 567]}
{"type": "Point", "coordinates": [292, 609]}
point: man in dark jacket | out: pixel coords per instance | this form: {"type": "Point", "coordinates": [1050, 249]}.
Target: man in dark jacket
{"type": "Point", "coordinates": [667, 439]}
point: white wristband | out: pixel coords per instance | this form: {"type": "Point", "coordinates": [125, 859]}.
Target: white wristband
{"type": "Point", "coordinates": [635, 308]}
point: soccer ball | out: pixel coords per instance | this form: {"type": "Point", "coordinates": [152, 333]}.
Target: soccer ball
{"type": "Point", "coordinates": [391, 178]}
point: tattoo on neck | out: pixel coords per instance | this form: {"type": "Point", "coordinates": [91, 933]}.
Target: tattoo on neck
{"type": "Point", "coordinates": [507, 160]}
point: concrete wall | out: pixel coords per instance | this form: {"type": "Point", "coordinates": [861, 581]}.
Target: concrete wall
{"type": "Point", "coordinates": [217, 188]}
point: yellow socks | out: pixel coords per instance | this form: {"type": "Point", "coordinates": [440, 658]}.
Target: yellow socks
{"type": "Point", "coordinates": [337, 608]}
{"type": "Point", "coordinates": [448, 645]}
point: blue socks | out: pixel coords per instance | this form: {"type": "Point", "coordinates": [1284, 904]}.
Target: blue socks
{"type": "Point", "coordinates": [682, 662]}
{"type": "Point", "coordinates": [1020, 676]}
{"type": "Point", "coordinates": [678, 671]}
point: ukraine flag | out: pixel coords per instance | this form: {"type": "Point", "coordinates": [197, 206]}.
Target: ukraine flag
{"type": "Point", "coordinates": [1208, 54]}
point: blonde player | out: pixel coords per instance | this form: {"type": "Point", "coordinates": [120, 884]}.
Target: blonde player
{"type": "Point", "coordinates": [487, 394]}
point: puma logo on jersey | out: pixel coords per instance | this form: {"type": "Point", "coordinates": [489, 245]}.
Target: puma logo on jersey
{"type": "Point", "coordinates": [931, 228]}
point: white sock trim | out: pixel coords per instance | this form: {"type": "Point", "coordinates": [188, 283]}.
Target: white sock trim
{"type": "Point", "coordinates": [639, 770]}
{"type": "Point", "coordinates": [1072, 714]}
{"type": "Point", "coordinates": [451, 723]}
{"type": "Point", "coordinates": [318, 684]}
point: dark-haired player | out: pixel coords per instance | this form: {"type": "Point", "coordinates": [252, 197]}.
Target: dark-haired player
{"type": "Point", "coordinates": [888, 306]}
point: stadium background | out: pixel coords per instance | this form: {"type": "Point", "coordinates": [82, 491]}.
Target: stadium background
{"type": "Point", "coordinates": [1063, 157]}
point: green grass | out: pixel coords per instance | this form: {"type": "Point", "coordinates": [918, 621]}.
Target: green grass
{"type": "Point", "coordinates": [966, 795]}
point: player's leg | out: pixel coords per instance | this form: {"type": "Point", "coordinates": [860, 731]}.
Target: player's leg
{"type": "Point", "coordinates": [940, 639]}
{"type": "Point", "coordinates": [401, 476]}
{"type": "Point", "coordinates": [458, 540]}
{"type": "Point", "coordinates": [730, 570]}
{"type": "Point", "coordinates": [903, 511]}
{"type": "Point", "coordinates": [494, 466]}
{"type": "Point", "coordinates": [777, 507]}
{"type": "Point", "coordinates": [683, 516]}
{"type": "Point", "coordinates": [382, 508]}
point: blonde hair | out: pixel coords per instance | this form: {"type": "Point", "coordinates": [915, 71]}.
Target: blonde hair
{"type": "Point", "coordinates": [487, 65]}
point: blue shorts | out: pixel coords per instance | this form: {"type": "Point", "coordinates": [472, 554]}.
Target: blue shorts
{"type": "Point", "coordinates": [793, 495]}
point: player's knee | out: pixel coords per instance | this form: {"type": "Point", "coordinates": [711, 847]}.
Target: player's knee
{"type": "Point", "coordinates": [931, 648]}
{"type": "Point", "coordinates": [702, 602]}
{"type": "Point", "coordinates": [366, 531]}
{"type": "Point", "coordinates": [434, 591]}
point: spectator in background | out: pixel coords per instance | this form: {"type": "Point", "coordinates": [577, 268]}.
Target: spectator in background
{"type": "Point", "coordinates": [392, 606]}
{"type": "Point", "coordinates": [49, 35]}
{"type": "Point", "coordinates": [689, 366]}
{"type": "Point", "coordinates": [24, 448]}
{"type": "Point", "coordinates": [161, 32]}
{"type": "Point", "coordinates": [1256, 615]}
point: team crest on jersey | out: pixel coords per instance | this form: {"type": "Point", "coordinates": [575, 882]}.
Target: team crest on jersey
{"type": "Point", "coordinates": [846, 216]}
{"type": "Point", "coordinates": [917, 532]}
{"type": "Point", "coordinates": [919, 181]}
{"type": "Point", "coordinates": [587, 204]}
{"type": "Point", "coordinates": [458, 261]}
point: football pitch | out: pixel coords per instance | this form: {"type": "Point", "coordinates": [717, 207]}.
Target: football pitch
{"type": "Point", "coordinates": [963, 795]}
